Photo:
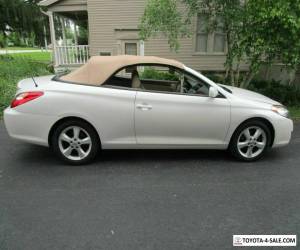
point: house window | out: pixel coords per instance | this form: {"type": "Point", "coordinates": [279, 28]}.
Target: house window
{"type": "Point", "coordinates": [210, 42]}
{"type": "Point", "coordinates": [105, 54]}
{"type": "Point", "coordinates": [131, 49]}
{"type": "Point", "coordinates": [219, 36]}
{"type": "Point", "coordinates": [202, 33]}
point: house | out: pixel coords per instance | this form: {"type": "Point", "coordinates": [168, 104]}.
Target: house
{"type": "Point", "coordinates": [113, 30]}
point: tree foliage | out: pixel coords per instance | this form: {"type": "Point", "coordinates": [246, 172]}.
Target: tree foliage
{"type": "Point", "coordinates": [258, 32]}
{"type": "Point", "coordinates": [23, 18]}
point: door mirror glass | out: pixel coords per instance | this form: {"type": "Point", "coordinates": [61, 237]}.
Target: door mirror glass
{"type": "Point", "coordinates": [213, 92]}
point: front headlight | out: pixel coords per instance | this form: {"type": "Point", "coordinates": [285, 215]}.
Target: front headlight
{"type": "Point", "coordinates": [281, 110]}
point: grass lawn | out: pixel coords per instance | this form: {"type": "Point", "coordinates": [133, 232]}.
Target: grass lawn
{"type": "Point", "coordinates": [15, 67]}
{"type": "Point", "coordinates": [34, 56]}
{"type": "Point", "coordinates": [295, 112]}
{"type": "Point", "coordinates": [19, 48]}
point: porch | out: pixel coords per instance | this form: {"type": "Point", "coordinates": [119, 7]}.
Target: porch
{"type": "Point", "coordinates": [69, 32]}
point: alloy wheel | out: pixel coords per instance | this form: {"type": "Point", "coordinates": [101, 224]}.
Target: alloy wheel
{"type": "Point", "coordinates": [75, 143]}
{"type": "Point", "coordinates": [252, 142]}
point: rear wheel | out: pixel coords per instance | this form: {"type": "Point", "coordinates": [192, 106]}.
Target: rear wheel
{"type": "Point", "coordinates": [250, 141]}
{"type": "Point", "coordinates": [76, 142]}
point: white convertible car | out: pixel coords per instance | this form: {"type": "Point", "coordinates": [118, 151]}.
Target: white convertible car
{"type": "Point", "coordinates": [132, 102]}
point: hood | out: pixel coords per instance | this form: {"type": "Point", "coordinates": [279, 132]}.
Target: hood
{"type": "Point", "coordinates": [29, 85]}
{"type": "Point", "coordinates": [250, 95]}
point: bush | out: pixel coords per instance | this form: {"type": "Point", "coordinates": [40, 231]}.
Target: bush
{"type": "Point", "coordinates": [13, 69]}
{"type": "Point", "coordinates": [285, 94]}
{"type": "Point", "coordinates": [3, 41]}
{"type": "Point", "coordinates": [215, 77]}
{"type": "Point", "coordinates": [150, 73]}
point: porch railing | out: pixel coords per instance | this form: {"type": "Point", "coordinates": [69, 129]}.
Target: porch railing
{"type": "Point", "coordinates": [71, 55]}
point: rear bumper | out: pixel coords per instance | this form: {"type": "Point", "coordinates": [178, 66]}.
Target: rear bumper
{"type": "Point", "coordinates": [283, 131]}
{"type": "Point", "coordinates": [27, 127]}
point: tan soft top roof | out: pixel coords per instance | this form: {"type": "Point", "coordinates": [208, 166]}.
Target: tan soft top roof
{"type": "Point", "coordinates": [99, 68]}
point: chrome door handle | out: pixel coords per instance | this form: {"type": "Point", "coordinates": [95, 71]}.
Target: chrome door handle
{"type": "Point", "coordinates": [143, 106]}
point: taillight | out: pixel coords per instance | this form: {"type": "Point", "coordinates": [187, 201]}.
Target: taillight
{"type": "Point", "coordinates": [25, 97]}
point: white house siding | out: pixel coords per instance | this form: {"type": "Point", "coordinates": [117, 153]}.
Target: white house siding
{"type": "Point", "coordinates": [114, 21]}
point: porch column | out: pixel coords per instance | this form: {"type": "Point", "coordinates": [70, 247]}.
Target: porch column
{"type": "Point", "coordinates": [53, 38]}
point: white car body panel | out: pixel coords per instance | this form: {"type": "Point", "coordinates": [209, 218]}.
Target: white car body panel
{"type": "Point", "coordinates": [181, 120]}
{"type": "Point", "coordinates": [174, 121]}
{"type": "Point", "coordinates": [94, 104]}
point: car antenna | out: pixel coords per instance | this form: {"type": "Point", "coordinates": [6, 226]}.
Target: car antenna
{"type": "Point", "coordinates": [34, 82]}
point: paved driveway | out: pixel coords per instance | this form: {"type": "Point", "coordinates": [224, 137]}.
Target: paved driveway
{"type": "Point", "coordinates": [145, 199]}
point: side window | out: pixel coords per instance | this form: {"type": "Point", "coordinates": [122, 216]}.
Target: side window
{"type": "Point", "coordinates": [122, 78]}
{"type": "Point", "coordinates": [149, 77]}
{"type": "Point", "coordinates": [194, 86]}
{"type": "Point", "coordinates": [159, 78]}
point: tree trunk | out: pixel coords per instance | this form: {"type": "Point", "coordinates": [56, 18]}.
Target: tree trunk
{"type": "Point", "coordinates": [249, 76]}
{"type": "Point", "coordinates": [267, 73]}
{"type": "Point", "coordinates": [63, 28]}
{"type": "Point", "coordinates": [292, 76]}
{"type": "Point", "coordinates": [237, 76]}
{"type": "Point", "coordinates": [45, 38]}
{"type": "Point", "coordinates": [62, 22]}
{"type": "Point", "coordinates": [75, 34]}
{"type": "Point", "coordinates": [226, 75]}
{"type": "Point", "coordinates": [232, 76]}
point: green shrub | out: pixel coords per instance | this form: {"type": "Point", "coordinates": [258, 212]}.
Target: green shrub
{"type": "Point", "coordinates": [288, 95]}
{"type": "Point", "coordinates": [150, 73]}
{"type": "Point", "coordinates": [215, 77]}
{"type": "Point", "coordinates": [285, 94]}
{"type": "Point", "coordinates": [3, 41]}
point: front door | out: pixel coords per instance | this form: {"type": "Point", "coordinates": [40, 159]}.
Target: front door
{"type": "Point", "coordinates": [170, 119]}
{"type": "Point", "coordinates": [187, 117]}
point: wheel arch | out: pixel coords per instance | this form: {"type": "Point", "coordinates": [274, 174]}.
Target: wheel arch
{"type": "Point", "coordinates": [68, 118]}
{"type": "Point", "coordinates": [261, 119]}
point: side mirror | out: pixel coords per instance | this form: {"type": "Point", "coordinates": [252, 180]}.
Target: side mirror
{"type": "Point", "coordinates": [213, 92]}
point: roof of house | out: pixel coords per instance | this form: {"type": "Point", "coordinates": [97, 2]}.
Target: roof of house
{"type": "Point", "coordinates": [99, 68]}
{"type": "Point", "coordinates": [47, 2]}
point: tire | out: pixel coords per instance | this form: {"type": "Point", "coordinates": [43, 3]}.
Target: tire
{"type": "Point", "coordinates": [75, 142]}
{"type": "Point", "coordinates": [252, 146]}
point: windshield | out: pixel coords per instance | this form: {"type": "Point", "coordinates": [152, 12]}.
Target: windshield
{"type": "Point", "coordinates": [225, 88]}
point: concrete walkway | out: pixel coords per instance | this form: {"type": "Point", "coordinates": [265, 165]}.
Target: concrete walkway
{"type": "Point", "coordinates": [3, 52]}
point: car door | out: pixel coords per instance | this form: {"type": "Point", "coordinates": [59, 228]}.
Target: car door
{"type": "Point", "coordinates": [174, 119]}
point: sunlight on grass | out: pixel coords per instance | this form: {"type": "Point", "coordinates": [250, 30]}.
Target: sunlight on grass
{"type": "Point", "coordinates": [34, 56]}
{"type": "Point", "coordinates": [19, 48]}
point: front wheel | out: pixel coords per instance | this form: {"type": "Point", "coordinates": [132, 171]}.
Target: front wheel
{"type": "Point", "coordinates": [250, 141]}
{"type": "Point", "coordinates": [76, 142]}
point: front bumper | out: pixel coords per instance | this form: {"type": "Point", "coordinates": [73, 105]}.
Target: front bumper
{"type": "Point", "coordinates": [31, 128]}
{"type": "Point", "coordinates": [283, 131]}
